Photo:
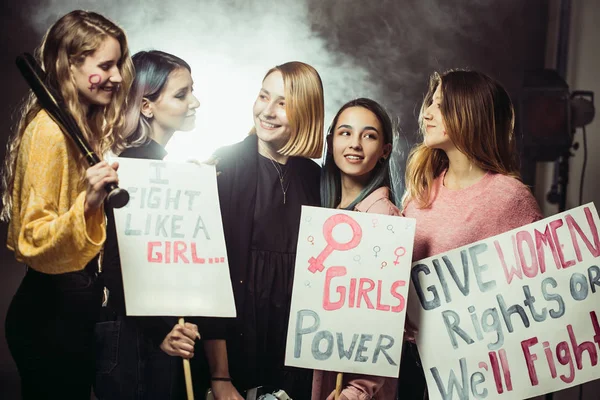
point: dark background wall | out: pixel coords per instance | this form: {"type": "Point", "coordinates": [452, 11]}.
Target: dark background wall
{"type": "Point", "coordinates": [383, 49]}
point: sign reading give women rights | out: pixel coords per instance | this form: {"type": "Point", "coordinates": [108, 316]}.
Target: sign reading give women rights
{"type": "Point", "coordinates": [350, 290]}
{"type": "Point", "coordinates": [512, 316]}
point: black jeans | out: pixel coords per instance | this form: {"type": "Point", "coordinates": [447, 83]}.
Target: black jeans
{"type": "Point", "coordinates": [130, 364]}
{"type": "Point", "coordinates": [49, 330]}
{"type": "Point", "coordinates": [411, 382]}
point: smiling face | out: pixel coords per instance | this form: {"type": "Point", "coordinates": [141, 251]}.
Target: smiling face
{"type": "Point", "coordinates": [270, 118]}
{"type": "Point", "coordinates": [358, 143]}
{"type": "Point", "coordinates": [175, 108]}
{"type": "Point", "coordinates": [97, 78]}
{"type": "Point", "coordinates": [433, 123]}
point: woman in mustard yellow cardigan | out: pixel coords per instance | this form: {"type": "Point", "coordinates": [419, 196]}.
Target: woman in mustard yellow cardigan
{"type": "Point", "coordinates": [54, 204]}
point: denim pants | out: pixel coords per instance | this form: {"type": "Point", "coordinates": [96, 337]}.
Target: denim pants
{"type": "Point", "coordinates": [49, 331]}
{"type": "Point", "coordinates": [129, 365]}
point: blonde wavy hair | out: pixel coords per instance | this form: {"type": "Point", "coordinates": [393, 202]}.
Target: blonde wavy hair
{"type": "Point", "coordinates": [479, 118]}
{"type": "Point", "coordinates": [68, 42]}
{"type": "Point", "coordinates": [305, 109]}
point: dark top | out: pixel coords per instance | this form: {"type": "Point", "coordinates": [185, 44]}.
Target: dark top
{"type": "Point", "coordinates": [261, 233]}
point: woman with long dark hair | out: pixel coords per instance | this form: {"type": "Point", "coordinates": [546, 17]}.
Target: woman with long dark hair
{"type": "Point", "coordinates": [356, 177]}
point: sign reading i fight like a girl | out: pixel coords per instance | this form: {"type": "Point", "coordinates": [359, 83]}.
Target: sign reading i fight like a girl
{"type": "Point", "coordinates": [513, 316]}
{"type": "Point", "coordinates": [171, 242]}
{"type": "Point", "coordinates": [350, 289]}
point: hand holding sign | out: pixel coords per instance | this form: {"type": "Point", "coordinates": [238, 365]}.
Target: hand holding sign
{"type": "Point", "coordinates": [181, 340]}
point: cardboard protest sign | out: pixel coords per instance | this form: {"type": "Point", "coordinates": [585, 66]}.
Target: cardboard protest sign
{"type": "Point", "coordinates": [171, 242]}
{"type": "Point", "coordinates": [350, 288]}
{"type": "Point", "coordinates": [513, 316]}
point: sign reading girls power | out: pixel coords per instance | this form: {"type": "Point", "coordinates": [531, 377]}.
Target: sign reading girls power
{"type": "Point", "coordinates": [171, 242]}
{"type": "Point", "coordinates": [350, 289]}
{"type": "Point", "coordinates": [513, 316]}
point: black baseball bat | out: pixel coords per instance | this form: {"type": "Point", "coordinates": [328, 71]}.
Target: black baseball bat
{"type": "Point", "coordinates": [53, 103]}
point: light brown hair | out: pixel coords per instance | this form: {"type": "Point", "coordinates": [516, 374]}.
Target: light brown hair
{"type": "Point", "coordinates": [305, 109]}
{"type": "Point", "coordinates": [479, 119]}
{"type": "Point", "coordinates": [68, 42]}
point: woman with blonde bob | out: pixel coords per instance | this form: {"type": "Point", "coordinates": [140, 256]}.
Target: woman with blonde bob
{"type": "Point", "coordinates": [462, 180]}
{"type": "Point", "coordinates": [54, 203]}
{"type": "Point", "coordinates": [263, 183]}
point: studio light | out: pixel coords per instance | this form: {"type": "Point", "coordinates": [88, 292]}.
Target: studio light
{"type": "Point", "coordinates": [549, 116]}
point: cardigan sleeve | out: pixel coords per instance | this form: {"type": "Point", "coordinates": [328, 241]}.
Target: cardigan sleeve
{"type": "Point", "coordinates": [49, 231]}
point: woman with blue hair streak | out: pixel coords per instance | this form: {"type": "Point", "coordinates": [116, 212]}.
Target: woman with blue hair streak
{"type": "Point", "coordinates": [356, 177]}
{"type": "Point", "coordinates": [140, 357]}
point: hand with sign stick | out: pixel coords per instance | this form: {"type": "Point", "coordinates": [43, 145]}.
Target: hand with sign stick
{"type": "Point", "coordinates": [186, 362]}
{"type": "Point", "coordinates": [180, 341]}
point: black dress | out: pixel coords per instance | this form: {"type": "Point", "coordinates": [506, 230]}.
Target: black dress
{"type": "Point", "coordinates": [259, 225]}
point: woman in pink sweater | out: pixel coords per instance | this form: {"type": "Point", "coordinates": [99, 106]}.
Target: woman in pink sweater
{"type": "Point", "coordinates": [462, 180]}
{"type": "Point", "coordinates": [355, 177]}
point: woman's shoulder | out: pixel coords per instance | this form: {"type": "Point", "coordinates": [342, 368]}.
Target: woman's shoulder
{"type": "Point", "coordinates": [378, 202]}
{"type": "Point", "coordinates": [507, 182]}
{"type": "Point", "coordinates": [43, 134]}
{"type": "Point", "coordinates": [385, 206]}
{"type": "Point", "coordinates": [243, 153]}
{"type": "Point", "coordinates": [308, 166]}
{"type": "Point", "coordinates": [43, 122]}
{"type": "Point", "coordinates": [509, 188]}
{"type": "Point", "coordinates": [515, 199]}
{"type": "Point", "coordinates": [231, 150]}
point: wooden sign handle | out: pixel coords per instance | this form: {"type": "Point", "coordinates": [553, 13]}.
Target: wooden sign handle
{"type": "Point", "coordinates": [187, 372]}
{"type": "Point", "coordinates": [338, 385]}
